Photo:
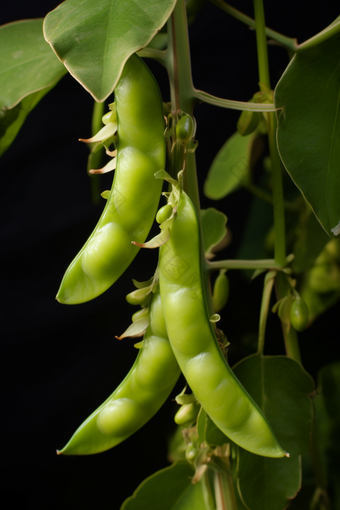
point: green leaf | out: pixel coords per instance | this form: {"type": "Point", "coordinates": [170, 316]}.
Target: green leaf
{"type": "Point", "coordinates": [28, 71]}
{"type": "Point", "coordinates": [259, 222]}
{"type": "Point", "coordinates": [12, 120]}
{"type": "Point", "coordinates": [329, 378]}
{"type": "Point", "coordinates": [214, 229]}
{"type": "Point", "coordinates": [177, 445]}
{"type": "Point", "coordinates": [213, 435]}
{"type": "Point", "coordinates": [168, 489]}
{"type": "Point", "coordinates": [27, 63]}
{"type": "Point", "coordinates": [309, 128]}
{"type": "Point", "coordinates": [230, 167]}
{"type": "Point", "coordinates": [94, 38]}
{"type": "Point", "coordinates": [311, 239]}
{"type": "Point", "coordinates": [280, 387]}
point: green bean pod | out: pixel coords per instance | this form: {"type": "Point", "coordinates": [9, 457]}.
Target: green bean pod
{"type": "Point", "coordinates": [140, 395]}
{"type": "Point", "coordinates": [135, 193]}
{"type": "Point", "coordinates": [194, 342]}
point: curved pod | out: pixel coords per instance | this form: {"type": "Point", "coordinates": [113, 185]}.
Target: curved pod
{"type": "Point", "coordinates": [135, 193]}
{"type": "Point", "coordinates": [140, 395]}
{"type": "Point", "coordinates": [194, 342]}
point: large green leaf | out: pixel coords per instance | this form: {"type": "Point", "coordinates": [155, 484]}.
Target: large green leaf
{"type": "Point", "coordinates": [168, 489]}
{"type": "Point", "coordinates": [310, 240]}
{"type": "Point", "coordinates": [230, 167]}
{"type": "Point", "coordinates": [94, 38]}
{"type": "Point", "coordinates": [280, 387]}
{"type": "Point", "coordinates": [12, 120]}
{"type": "Point", "coordinates": [27, 63]}
{"type": "Point", "coordinates": [308, 134]}
{"type": "Point", "coordinates": [29, 70]}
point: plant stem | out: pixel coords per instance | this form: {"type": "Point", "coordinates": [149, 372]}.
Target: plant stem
{"type": "Point", "coordinates": [97, 114]}
{"type": "Point", "coordinates": [267, 292]}
{"type": "Point", "coordinates": [325, 34]}
{"type": "Point", "coordinates": [207, 494]}
{"type": "Point", "coordinates": [245, 264]}
{"type": "Point", "coordinates": [181, 87]}
{"type": "Point", "coordinates": [200, 95]}
{"type": "Point", "coordinates": [224, 491]}
{"type": "Point", "coordinates": [158, 55]}
{"type": "Point", "coordinates": [279, 219]}
{"type": "Point", "coordinates": [96, 125]}
{"type": "Point", "coordinates": [261, 41]}
{"type": "Point", "coordinates": [288, 42]}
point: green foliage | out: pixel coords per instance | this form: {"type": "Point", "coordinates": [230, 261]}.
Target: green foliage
{"type": "Point", "coordinates": [95, 41]}
{"type": "Point", "coordinates": [265, 403]}
{"type": "Point", "coordinates": [280, 387]}
{"type": "Point", "coordinates": [168, 489]}
{"type": "Point", "coordinates": [309, 128]}
{"type": "Point", "coordinates": [28, 65]}
{"type": "Point", "coordinates": [230, 167]}
{"type": "Point", "coordinates": [29, 70]}
{"type": "Point", "coordinates": [213, 229]}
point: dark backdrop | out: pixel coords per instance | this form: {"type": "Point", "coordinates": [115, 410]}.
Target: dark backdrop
{"type": "Point", "coordinates": [58, 362]}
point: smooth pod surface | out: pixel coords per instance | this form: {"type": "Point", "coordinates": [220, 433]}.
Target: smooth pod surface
{"type": "Point", "coordinates": [135, 193]}
{"type": "Point", "coordinates": [195, 345]}
{"type": "Point", "coordinates": [140, 395]}
{"type": "Point", "coordinates": [299, 314]}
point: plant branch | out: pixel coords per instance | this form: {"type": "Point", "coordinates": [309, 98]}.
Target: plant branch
{"type": "Point", "coordinates": [158, 55]}
{"type": "Point", "coordinates": [261, 41]}
{"type": "Point", "coordinates": [181, 87]}
{"type": "Point", "coordinates": [224, 491]}
{"type": "Point", "coordinates": [279, 218]}
{"type": "Point", "coordinates": [325, 34]}
{"type": "Point", "coordinates": [204, 97]}
{"type": "Point", "coordinates": [245, 264]}
{"type": "Point", "coordinates": [207, 494]}
{"type": "Point", "coordinates": [288, 42]}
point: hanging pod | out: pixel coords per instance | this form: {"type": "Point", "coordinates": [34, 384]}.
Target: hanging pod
{"type": "Point", "coordinates": [132, 204]}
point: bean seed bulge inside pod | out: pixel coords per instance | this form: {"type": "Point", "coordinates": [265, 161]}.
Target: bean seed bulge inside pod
{"type": "Point", "coordinates": [120, 417]}
{"type": "Point", "coordinates": [110, 247]}
{"type": "Point", "coordinates": [164, 213]}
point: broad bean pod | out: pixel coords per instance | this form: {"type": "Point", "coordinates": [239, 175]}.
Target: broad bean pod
{"type": "Point", "coordinates": [139, 396]}
{"type": "Point", "coordinates": [135, 193]}
{"type": "Point", "coordinates": [194, 342]}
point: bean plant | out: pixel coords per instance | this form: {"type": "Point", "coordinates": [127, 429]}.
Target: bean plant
{"type": "Point", "coordinates": [248, 428]}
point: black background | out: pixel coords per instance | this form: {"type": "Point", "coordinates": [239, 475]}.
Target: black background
{"type": "Point", "coordinates": [58, 362]}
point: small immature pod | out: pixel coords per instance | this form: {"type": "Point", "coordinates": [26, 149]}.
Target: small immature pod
{"type": "Point", "coordinates": [185, 128]}
{"type": "Point", "coordinates": [299, 314]}
{"type": "Point", "coordinates": [186, 414]}
{"type": "Point", "coordinates": [164, 213]}
{"type": "Point", "coordinates": [191, 452]}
